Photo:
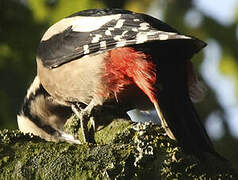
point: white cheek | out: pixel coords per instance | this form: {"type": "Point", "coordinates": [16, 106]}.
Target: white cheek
{"type": "Point", "coordinates": [25, 125]}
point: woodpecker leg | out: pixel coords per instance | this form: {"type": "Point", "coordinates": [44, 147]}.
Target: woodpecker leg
{"type": "Point", "coordinates": [85, 115]}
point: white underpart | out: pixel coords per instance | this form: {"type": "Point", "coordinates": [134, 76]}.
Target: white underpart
{"type": "Point", "coordinates": [79, 24]}
{"type": "Point", "coordinates": [96, 38]}
{"type": "Point", "coordinates": [119, 23]}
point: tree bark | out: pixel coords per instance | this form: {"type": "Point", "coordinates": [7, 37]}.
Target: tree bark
{"type": "Point", "coordinates": [124, 150]}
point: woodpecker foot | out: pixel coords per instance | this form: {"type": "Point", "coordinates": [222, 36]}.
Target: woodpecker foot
{"type": "Point", "coordinates": [87, 122]}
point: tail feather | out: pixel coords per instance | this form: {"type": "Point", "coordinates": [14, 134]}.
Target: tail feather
{"type": "Point", "coordinates": [165, 82]}
{"type": "Point", "coordinates": [178, 110]}
{"type": "Point", "coordinates": [163, 121]}
{"type": "Point", "coordinates": [185, 125]}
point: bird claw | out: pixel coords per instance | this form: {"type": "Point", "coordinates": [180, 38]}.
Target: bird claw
{"type": "Point", "coordinates": [88, 129]}
{"type": "Point", "coordinates": [87, 123]}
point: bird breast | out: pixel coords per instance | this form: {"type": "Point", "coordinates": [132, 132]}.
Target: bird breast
{"type": "Point", "coordinates": [76, 81]}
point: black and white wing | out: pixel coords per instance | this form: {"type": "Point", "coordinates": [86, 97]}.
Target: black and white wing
{"type": "Point", "coordinates": [94, 31]}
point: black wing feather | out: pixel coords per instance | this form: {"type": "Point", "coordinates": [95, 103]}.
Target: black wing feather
{"type": "Point", "coordinates": [70, 45]}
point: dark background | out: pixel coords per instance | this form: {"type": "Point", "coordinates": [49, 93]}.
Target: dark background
{"type": "Point", "coordinates": [22, 24]}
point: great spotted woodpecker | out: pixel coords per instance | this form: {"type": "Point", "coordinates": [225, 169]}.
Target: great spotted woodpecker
{"type": "Point", "coordinates": [118, 57]}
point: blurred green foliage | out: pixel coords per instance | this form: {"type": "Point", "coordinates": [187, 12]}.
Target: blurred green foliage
{"type": "Point", "coordinates": [53, 10]}
{"type": "Point", "coordinates": [22, 24]}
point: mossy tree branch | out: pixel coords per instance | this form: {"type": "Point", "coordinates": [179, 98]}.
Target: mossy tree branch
{"type": "Point", "coordinates": [125, 150]}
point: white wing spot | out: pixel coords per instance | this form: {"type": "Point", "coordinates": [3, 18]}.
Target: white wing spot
{"type": "Point", "coordinates": [108, 33]}
{"type": "Point", "coordinates": [152, 33]}
{"type": "Point", "coordinates": [121, 44]}
{"type": "Point", "coordinates": [96, 38]}
{"type": "Point", "coordinates": [163, 36]}
{"type": "Point", "coordinates": [85, 49]}
{"type": "Point", "coordinates": [144, 26]}
{"type": "Point", "coordinates": [136, 20]}
{"type": "Point", "coordinates": [183, 37]}
{"type": "Point", "coordinates": [117, 38]}
{"type": "Point", "coordinates": [141, 38]}
{"type": "Point", "coordinates": [124, 33]}
{"type": "Point", "coordinates": [134, 29]}
{"type": "Point", "coordinates": [103, 45]}
{"type": "Point", "coordinates": [120, 23]}
{"type": "Point", "coordinates": [171, 33]}
{"type": "Point", "coordinates": [111, 29]}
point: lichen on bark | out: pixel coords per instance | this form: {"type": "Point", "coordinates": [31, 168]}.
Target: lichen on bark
{"type": "Point", "coordinates": [124, 150]}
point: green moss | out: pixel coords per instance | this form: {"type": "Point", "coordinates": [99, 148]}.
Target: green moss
{"type": "Point", "coordinates": [72, 125]}
{"type": "Point", "coordinates": [124, 151]}
{"type": "Point", "coordinates": [107, 134]}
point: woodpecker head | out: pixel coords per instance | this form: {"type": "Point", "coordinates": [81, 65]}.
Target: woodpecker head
{"type": "Point", "coordinates": [42, 115]}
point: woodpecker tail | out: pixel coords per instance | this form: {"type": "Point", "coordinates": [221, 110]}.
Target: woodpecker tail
{"type": "Point", "coordinates": [165, 81]}
{"type": "Point", "coordinates": [177, 111]}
